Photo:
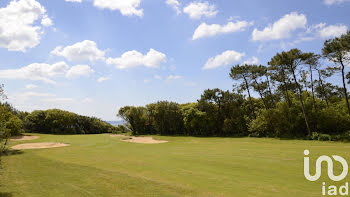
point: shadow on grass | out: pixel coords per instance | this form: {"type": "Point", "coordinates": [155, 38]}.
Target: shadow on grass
{"type": "Point", "coordinates": [9, 152]}
{"type": "Point", "coordinates": [5, 194]}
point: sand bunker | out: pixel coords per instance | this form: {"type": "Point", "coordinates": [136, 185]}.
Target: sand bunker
{"type": "Point", "coordinates": [144, 140]}
{"type": "Point", "coordinates": [38, 145]}
{"type": "Point", "coordinates": [141, 140]}
{"type": "Point", "coordinates": [23, 138]}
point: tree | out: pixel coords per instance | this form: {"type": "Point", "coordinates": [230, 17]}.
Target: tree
{"type": "Point", "coordinates": [337, 50]}
{"type": "Point", "coordinates": [258, 72]}
{"type": "Point", "coordinates": [313, 63]}
{"type": "Point", "coordinates": [280, 73]}
{"type": "Point", "coordinates": [136, 117]}
{"type": "Point", "coordinates": [10, 125]}
{"type": "Point", "coordinates": [242, 72]}
{"type": "Point", "coordinates": [292, 60]}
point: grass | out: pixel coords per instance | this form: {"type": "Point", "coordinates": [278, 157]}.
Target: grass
{"type": "Point", "coordinates": [100, 165]}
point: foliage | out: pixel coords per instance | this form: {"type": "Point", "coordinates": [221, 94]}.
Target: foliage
{"type": "Point", "coordinates": [324, 137]}
{"type": "Point", "coordinates": [295, 100]}
{"type": "Point", "coordinates": [55, 121]}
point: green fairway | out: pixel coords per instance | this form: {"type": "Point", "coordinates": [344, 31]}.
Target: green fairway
{"type": "Point", "coordinates": [100, 165]}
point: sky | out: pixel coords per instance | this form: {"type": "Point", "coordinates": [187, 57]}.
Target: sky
{"type": "Point", "coordinates": [92, 57]}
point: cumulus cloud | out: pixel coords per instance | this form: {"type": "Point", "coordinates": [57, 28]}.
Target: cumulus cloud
{"type": "Point", "coordinates": [126, 7]}
{"type": "Point", "coordinates": [331, 2]}
{"type": "Point", "coordinates": [18, 28]}
{"type": "Point", "coordinates": [79, 70]}
{"type": "Point", "coordinates": [321, 31]}
{"type": "Point", "coordinates": [36, 71]}
{"type": "Point", "coordinates": [226, 58]}
{"type": "Point", "coordinates": [281, 28]}
{"type": "Point", "coordinates": [45, 72]}
{"type": "Point", "coordinates": [102, 79]}
{"type": "Point", "coordinates": [86, 50]}
{"type": "Point", "coordinates": [253, 60]}
{"type": "Point", "coordinates": [204, 30]}
{"type": "Point", "coordinates": [130, 59]}
{"type": "Point", "coordinates": [332, 31]}
{"type": "Point", "coordinates": [175, 5]}
{"type": "Point", "coordinates": [197, 10]}
{"type": "Point", "coordinates": [46, 21]}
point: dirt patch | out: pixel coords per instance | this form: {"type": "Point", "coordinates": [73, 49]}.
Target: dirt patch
{"type": "Point", "coordinates": [144, 140]}
{"type": "Point", "coordinates": [23, 138]}
{"type": "Point", "coordinates": [38, 145]}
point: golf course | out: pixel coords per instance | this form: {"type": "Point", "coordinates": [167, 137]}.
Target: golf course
{"type": "Point", "coordinates": [105, 165]}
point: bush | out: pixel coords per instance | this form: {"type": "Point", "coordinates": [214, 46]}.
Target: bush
{"type": "Point", "coordinates": [55, 121]}
{"type": "Point", "coordinates": [324, 137]}
{"type": "Point", "coordinates": [315, 136]}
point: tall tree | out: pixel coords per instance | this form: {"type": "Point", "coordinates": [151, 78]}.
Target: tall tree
{"type": "Point", "coordinates": [256, 73]}
{"type": "Point", "coordinates": [242, 72]}
{"type": "Point", "coordinates": [313, 63]}
{"type": "Point", "coordinates": [292, 60]}
{"type": "Point", "coordinates": [337, 50]}
{"type": "Point", "coordinates": [280, 74]}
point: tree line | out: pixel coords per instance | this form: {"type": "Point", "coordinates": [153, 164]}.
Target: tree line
{"type": "Point", "coordinates": [297, 98]}
{"type": "Point", "coordinates": [53, 121]}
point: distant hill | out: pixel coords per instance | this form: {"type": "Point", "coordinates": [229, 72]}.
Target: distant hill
{"type": "Point", "coordinates": [116, 123]}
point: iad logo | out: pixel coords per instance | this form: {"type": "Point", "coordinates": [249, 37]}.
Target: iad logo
{"type": "Point", "coordinates": [329, 164]}
{"type": "Point", "coordinates": [332, 189]}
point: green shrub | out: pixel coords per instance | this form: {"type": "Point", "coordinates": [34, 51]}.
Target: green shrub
{"type": "Point", "coordinates": [324, 137]}
{"type": "Point", "coordinates": [315, 136]}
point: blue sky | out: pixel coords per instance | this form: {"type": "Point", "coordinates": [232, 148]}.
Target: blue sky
{"type": "Point", "coordinates": [94, 56]}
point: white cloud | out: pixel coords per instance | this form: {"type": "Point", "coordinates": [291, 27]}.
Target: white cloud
{"type": "Point", "coordinates": [130, 59]}
{"type": "Point", "coordinates": [31, 86]}
{"type": "Point", "coordinates": [36, 71]}
{"type": "Point", "coordinates": [79, 70]}
{"type": "Point", "coordinates": [102, 79]}
{"type": "Point", "coordinates": [332, 31]}
{"type": "Point", "coordinates": [46, 21]}
{"type": "Point", "coordinates": [76, 1]}
{"type": "Point", "coordinates": [45, 72]}
{"type": "Point", "coordinates": [331, 2]}
{"type": "Point", "coordinates": [204, 30]}
{"type": "Point", "coordinates": [174, 77]}
{"type": "Point", "coordinates": [197, 10]}
{"type": "Point", "coordinates": [86, 50]}
{"type": "Point", "coordinates": [223, 59]}
{"type": "Point", "coordinates": [175, 5]}
{"type": "Point", "coordinates": [253, 60]}
{"type": "Point", "coordinates": [18, 28]}
{"type": "Point", "coordinates": [281, 28]}
{"type": "Point", "coordinates": [126, 7]}
{"type": "Point", "coordinates": [320, 31]}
